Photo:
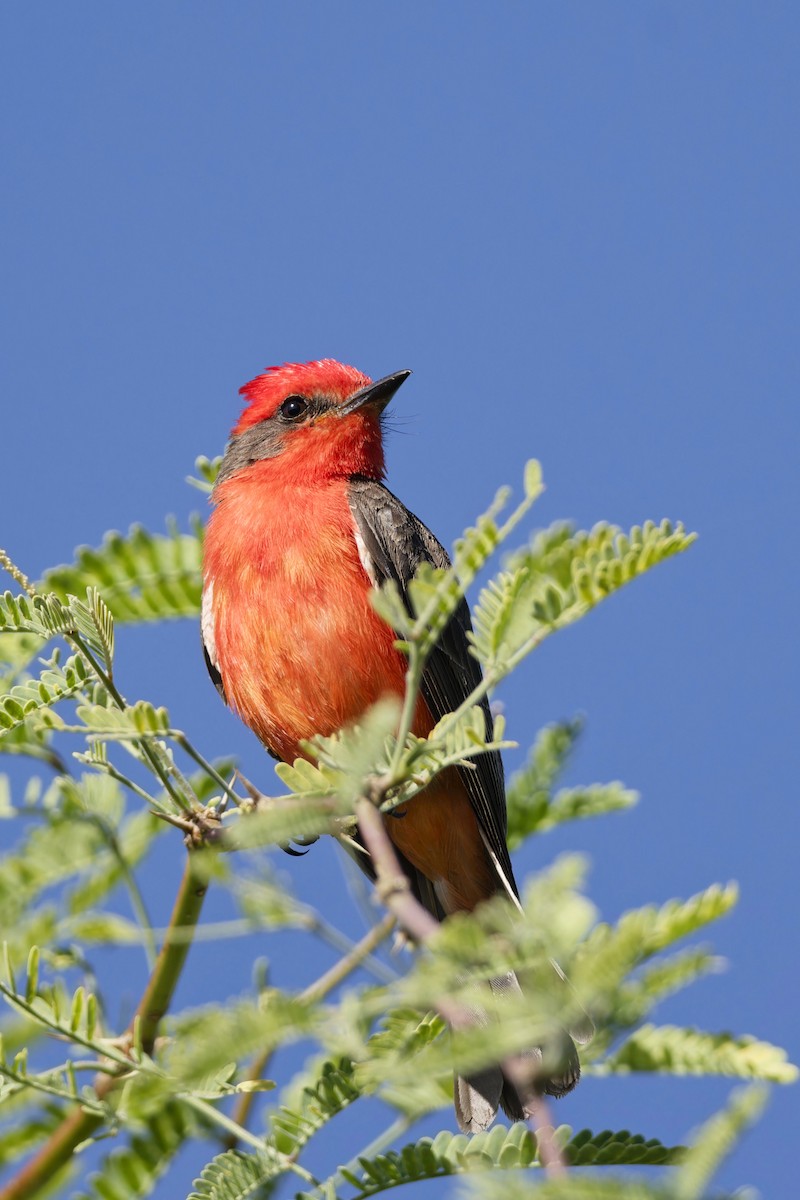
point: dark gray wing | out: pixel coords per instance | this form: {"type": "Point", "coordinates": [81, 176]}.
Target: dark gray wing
{"type": "Point", "coordinates": [396, 542]}
{"type": "Point", "coordinates": [213, 670]}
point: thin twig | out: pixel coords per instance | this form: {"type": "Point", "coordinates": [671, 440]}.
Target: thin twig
{"type": "Point", "coordinates": [345, 966]}
{"type": "Point", "coordinates": [320, 928]}
{"type": "Point", "coordinates": [382, 1142]}
{"type": "Point", "coordinates": [206, 766]}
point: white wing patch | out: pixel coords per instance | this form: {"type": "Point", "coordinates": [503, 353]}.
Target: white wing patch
{"type": "Point", "coordinates": [363, 554]}
{"type": "Point", "coordinates": [501, 873]}
{"type": "Point", "coordinates": [207, 624]}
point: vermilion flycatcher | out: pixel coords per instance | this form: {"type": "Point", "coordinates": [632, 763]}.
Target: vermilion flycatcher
{"type": "Point", "coordinates": [302, 528]}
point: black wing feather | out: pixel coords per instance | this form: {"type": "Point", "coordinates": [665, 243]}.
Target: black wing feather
{"type": "Point", "coordinates": [396, 543]}
{"type": "Point", "coordinates": [214, 672]}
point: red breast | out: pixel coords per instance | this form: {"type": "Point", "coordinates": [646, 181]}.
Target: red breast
{"type": "Point", "coordinates": [300, 648]}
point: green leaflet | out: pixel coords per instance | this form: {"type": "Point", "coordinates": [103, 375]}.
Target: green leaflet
{"type": "Point", "coordinates": [503, 1149]}
{"type": "Point", "coordinates": [715, 1140]}
{"type": "Point", "coordinates": [37, 695]}
{"type": "Point", "coordinates": [141, 576]}
{"type": "Point", "coordinates": [133, 1171]}
{"type": "Point", "coordinates": [320, 1100]}
{"type": "Point", "coordinates": [669, 1048]}
{"type": "Point", "coordinates": [558, 580]}
{"type": "Point", "coordinates": [236, 1176]}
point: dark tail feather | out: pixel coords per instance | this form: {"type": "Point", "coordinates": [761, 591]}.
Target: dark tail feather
{"type": "Point", "coordinates": [555, 1083]}
{"type": "Point", "coordinates": [478, 1098]}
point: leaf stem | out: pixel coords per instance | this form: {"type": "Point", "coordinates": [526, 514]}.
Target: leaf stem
{"type": "Point", "coordinates": [345, 966]}
{"type": "Point", "coordinates": [119, 700]}
{"type": "Point", "coordinates": [206, 766]}
{"type": "Point", "coordinates": [382, 1142]}
{"type": "Point", "coordinates": [416, 663]}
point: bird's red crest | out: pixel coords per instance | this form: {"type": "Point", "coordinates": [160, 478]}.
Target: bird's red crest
{"type": "Point", "coordinates": [326, 377]}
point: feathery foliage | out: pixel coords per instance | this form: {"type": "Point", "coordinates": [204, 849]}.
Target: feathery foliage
{"type": "Point", "coordinates": [666, 1048]}
{"type": "Point", "coordinates": [73, 1072]}
{"type": "Point", "coordinates": [503, 1149]}
{"type": "Point", "coordinates": [141, 576]}
{"type": "Point", "coordinates": [236, 1176]}
{"type": "Point", "coordinates": [134, 1170]}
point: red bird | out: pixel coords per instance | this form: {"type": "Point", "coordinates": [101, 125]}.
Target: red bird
{"type": "Point", "coordinates": [302, 528]}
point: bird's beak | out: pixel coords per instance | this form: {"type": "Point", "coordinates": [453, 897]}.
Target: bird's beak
{"type": "Point", "coordinates": [376, 394]}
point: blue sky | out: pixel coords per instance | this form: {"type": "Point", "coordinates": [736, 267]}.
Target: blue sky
{"type": "Point", "coordinates": [577, 224]}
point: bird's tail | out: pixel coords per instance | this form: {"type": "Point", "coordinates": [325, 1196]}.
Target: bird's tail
{"type": "Point", "coordinates": [478, 1097]}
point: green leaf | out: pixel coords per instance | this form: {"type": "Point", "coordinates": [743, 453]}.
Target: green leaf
{"type": "Point", "coordinates": [209, 1043]}
{"type": "Point", "coordinates": [37, 695]}
{"type": "Point", "coordinates": [19, 614]}
{"type": "Point", "coordinates": [104, 928]}
{"type": "Point", "coordinates": [573, 1186]}
{"type": "Point", "coordinates": [619, 1149]}
{"type": "Point", "coordinates": [436, 594]}
{"type": "Point", "coordinates": [283, 819]}
{"type": "Point", "coordinates": [29, 1128]}
{"type": "Point", "coordinates": [103, 623]}
{"type": "Point", "coordinates": [540, 812]}
{"type": "Point", "coordinates": [207, 472]}
{"type": "Point", "coordinates": [389, 1065]}
{"type": "Point", "coordinates": [636, 997]}
{"type": "Point", "coordinates": [46, 855]}
{"type": "Point", "coordinates": [677, 1051]}
{"type": "Point", "coordinates": [450, 743]}
{"type": "Point", "coordinates": [351, 757]}
{"type": "Point", "coordinates": [236, 1176]}
{"type": "Point", "coordinates": [141, 576]}
{"type": "Point", "coordinates": [334, 1088]}
{"type": "Point", "coordinates": [125, 724]}
{"type": "Point", "coordinates": [643, 932]}
{"type": "Point", "coordinates": [716, 1139]}
{"type": "Point", "coordinates": [557, 580]}
{"type": "Point", "coordinates": [134, 1170]}
{"type": "Point", "coordinates": [501, 1149]}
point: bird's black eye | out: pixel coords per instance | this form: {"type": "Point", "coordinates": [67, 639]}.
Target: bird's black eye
{"type": "Point", "coordinates": [293, 408]}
